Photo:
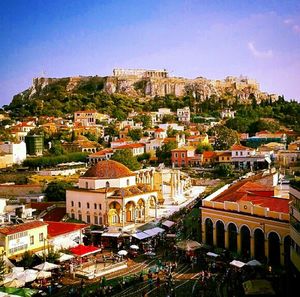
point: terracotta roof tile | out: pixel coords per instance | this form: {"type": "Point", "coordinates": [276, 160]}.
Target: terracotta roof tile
{"type": "Point", "coordinates": [59, 228]}
{"type": "Point", "coordinates": [108, 169]}
{"type": "Point", "coordinates": [21, 227]}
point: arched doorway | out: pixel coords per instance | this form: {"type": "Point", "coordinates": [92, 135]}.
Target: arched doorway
{"type": "Point", "coordinates": [274, 249]}
{"type": "Point", "coordinates": [232, 237]}
{"type": "Point", "coordinates": [220, 234]}
{"type": "Point", "coordinates": [140, 211]}
{"type": "Point", "coordinates": [259, 245]}
{"type": "Point", "coordinates": [245, 241]}
{"type": "Point", "coordinates": [114, 213]}
{"type": "Point", "coordinates": [130, 208]}
{"type": "Point", "coordinates": [209, 231]}
{"type": "Point", "coordinates": [287, 250]}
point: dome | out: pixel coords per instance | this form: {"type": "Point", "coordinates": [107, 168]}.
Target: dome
{"type": "Point", "coordinates": [108, 169]}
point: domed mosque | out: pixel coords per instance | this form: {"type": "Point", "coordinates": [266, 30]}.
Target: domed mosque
{"type": "Point", "coordinates": [108, 194]}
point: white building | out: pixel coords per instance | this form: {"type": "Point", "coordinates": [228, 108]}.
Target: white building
{"type": "Point", "coordinates": [17, 150]}
{"type": "Point", "coordinates": [184, 114]}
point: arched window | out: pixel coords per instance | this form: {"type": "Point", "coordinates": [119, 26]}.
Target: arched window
{"type": "Point", "coordinates": [87, 205]}
{"type": "Point", "coordinates": [107, 184]}
{"type": "Point", "coordinates": [86, 185]}
{"type": "Point", "coordinates": [79, 204]}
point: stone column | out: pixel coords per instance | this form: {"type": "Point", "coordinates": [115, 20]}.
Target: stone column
{"type": "Point", "coordinates": [155, 208]}
{"type": "Point", "coordinates": [203, 230]}
{"type": "Point", "coordinates": [252, 246]}
{"type": "Point", "coordinates": [281, 253]}
{"type": "Point", "coordinates": [267, 249]}
{"type": "Point", "coordinates": [226, 234]}
{"type": "Point", "coordinates": [214, 236]}
{"type": "Point", "coordinates": [238, 240]}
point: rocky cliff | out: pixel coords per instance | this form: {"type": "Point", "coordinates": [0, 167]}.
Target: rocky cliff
{"type": "Point", "coordinates": [228, 89]}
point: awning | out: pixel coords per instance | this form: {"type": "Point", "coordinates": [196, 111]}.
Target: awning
{"type": "Point", "coordinates": [63, 243]}
{"type": "Point", "coordinates": [111, 234]}
{"type": "Point", "coordinates": [212, 254]}
{"type": "Point", "coordinates": [154, 231]}
{"type": "Point", "coordinates": [83, 250]}
{"type": "Point", "coordinates": [237, 263]}
{"type": "Point", "coordinates": [168, 223]}
{"type": "Point", "coordinates": [141, 235]}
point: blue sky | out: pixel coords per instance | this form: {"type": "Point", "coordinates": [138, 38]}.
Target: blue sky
{"type": "Point", "coordinates": [213, 39]}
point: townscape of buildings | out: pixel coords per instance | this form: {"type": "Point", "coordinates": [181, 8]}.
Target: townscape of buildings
{"type": "Point", "coordinates": [256, 216]}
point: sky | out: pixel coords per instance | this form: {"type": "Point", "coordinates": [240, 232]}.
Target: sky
{"type": "Point", "coordinates": [190, 38]}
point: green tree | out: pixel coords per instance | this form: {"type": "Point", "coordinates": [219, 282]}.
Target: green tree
{"type": "Point", "coordinates": [27, 259]}
{"type": "Point", "coordinates": [56, 148]}
{"type": "Point", "coordinates": [225, 137]}
{"type": "Point", "coordinates": [204, 147]}
{"type": "Point", "coordinates": [168, 118]}
{"type": "Point", "coordinates": [224, 170]}
{"type": "Point", "coordinates": [56, 190]}
{"type": "Point", "coordinates": [164, 154]}
{"type": "Point", "coordinates": [135, 134]}
{"type": "Point", "coordinates": [126, 158]}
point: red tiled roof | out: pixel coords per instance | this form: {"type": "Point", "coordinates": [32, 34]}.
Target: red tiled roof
{"type": "Point", "coordinates": [256, 193]}
{"type": "Point", "coordinates": [159, 130]}
{"type": "Point", "coordinates": [21, 227]}
{"type": "Point", "coordinates": [108, 169]}
{"type": "Point", "coordinates": [41, 205]}
{"type": "Point", "coordinates": [129, 146]}
{"type": "Point", "coordinates": [55, 214]}
{"type": "Point", "coordinates": [59, 228]}
{"type": "Point", "coordinates": [209, 154]}
{"type": "Point", "coordinates": [239, 147]}
{"type": "Point", "coordinates": [102, 152]}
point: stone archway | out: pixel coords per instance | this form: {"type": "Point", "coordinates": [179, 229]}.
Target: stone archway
{"type": "Point", "coordinates": [220, 234]}
{"type": "Point", "coordinates": [259, 245]}
{"type": "Point", "coordinates": [245, 241]}
{"type": "Point", "coordinates": [209, 232]}
{"type": "Point", "coordinates": [274, 249]}
{"type": "Point", "coordinates": [232, 237]}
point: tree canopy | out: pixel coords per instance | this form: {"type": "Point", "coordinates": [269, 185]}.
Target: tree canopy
{"type": "Point", "coordinates": [126, 158]}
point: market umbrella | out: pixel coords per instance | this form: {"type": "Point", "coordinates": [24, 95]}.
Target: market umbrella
{"type": "Point", "coordinates": [189, 245]}
{"type": "Point", "coordinates": [65, 257]}
{"type": "Point", "coordinates": [16, 283]}
{"type": "Point", "coordinates": [43, 274]}
{"type": "Point", "coordinates": [253, 263]}
{"type": "Point", "coordinates": [134, 247]}
{"type": "Point", "coordinates": [46, 266]}
{"type": "Point", "coordinates": [122, 253]}
{"type": "Point", "coordinates": [29, 275]}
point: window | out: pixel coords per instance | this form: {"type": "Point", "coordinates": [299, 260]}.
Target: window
{"type": "Point", "coordinates": [127, 182]}
{"type": "Point", "coordinates": [96, 220]}
{"type": "Point", "coordinates": [176, 155]}
{"type": "Point", "coordinates": [241, 153]}
{"type": "Point", "coordinates": [72, 203]}
{"type": "Point", "coordinates": [236, 153]}
{"type": "Point", "coordinates": [72, 215]}
{"type": "Point", "coordinates": [95, 205]}
{"type": "Point", "coordinates": [80, 217]}
{"type": "Point", "coordinates": [88, 219]}
{"type": "Point", "coordinates": [79, 204]}
{"type": "Point", "coordinates": [182, 155]}
{"type": "Point", "coordinates": [41, 237]}
{"type": "Point", "coordinates": [100, 220]}
{"type": "Point", "coordinates": [86, 185]}
{"type": "Point", "coordinates": [31, 239]}
{"type": "Point", "coordinates": [100, 206]}
{"type": "Point", "coordinates": [87, 205]}
{"type": "Point", "coordinates": [107, 184]}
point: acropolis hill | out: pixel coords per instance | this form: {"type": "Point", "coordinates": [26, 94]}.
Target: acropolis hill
{"type": "Point", "coordinates": [143, 83]}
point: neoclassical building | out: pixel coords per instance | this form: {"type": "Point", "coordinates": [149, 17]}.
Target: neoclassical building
{"type": "Point", "coordinates": [250, 218]}
{"type": "Point", "coordinates": [108, 194]}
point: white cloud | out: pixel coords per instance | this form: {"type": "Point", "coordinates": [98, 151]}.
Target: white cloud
{"type": "Point", "coordinates": [257, 53]}
{"type": "Point", "coordinates": [293, 25]}
{"type": "Point", "coordinates": [288, 21]}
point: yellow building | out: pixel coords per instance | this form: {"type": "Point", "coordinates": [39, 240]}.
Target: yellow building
{"type": "Point", "coordinates": [6, 160]}
{"type": "Point", "coordinates": [246, 218]}
{"type": "Point", "coordinates": [17, 239]}
{"type": "Point", "coordinates": [295, 226]}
